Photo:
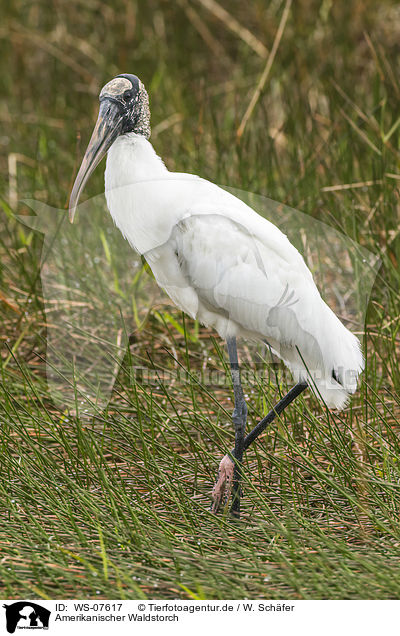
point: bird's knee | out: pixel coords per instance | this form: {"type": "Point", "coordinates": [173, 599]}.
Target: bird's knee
{"type": "Point", "coordinates": [240, 412]}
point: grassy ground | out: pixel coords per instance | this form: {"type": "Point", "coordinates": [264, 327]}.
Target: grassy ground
{"type": "Point", "coordinates": [116, 505]}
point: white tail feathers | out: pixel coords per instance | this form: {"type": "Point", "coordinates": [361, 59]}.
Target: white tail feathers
{"type": "Point", "coordinates": [343, 365]}
{"type": "Point", "coordinates": [330, 359]}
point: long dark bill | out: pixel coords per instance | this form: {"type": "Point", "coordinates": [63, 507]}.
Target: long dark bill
{"type": "Point", "coordinates": [106, 130]}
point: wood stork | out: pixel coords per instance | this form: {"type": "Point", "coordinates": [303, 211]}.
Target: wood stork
{"type": "Point", "coordinates": [220, 262]}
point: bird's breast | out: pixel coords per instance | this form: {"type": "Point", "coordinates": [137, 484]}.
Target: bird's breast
{"type": "Point", "coordinates": [145, 200]}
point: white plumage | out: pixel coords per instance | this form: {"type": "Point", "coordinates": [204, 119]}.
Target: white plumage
{"type": "Point", "coordinates": [221, 262]}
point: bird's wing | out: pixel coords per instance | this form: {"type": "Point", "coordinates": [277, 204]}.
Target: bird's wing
{"type": "Point", "coordinates": [242, 283]}
{"type": "Point", "coordinates": [212, 264]}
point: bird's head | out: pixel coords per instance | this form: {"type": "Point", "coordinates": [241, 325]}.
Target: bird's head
{"type": "Point", "coordinates": [124, 108]}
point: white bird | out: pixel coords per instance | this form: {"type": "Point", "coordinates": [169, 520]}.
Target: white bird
{"type": "Point", "coordinates": [220, 262]}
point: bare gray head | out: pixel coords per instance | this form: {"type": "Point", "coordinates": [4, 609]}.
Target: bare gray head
{"type": "Point", "coordinates": [130, 96]}
{"type": "Point", "coordinates": [124, 108]}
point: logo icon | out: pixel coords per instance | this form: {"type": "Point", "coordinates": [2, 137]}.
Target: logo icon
{"type": "Point", "coordinates": [26, 615]}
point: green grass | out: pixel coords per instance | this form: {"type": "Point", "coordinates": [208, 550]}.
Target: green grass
{"type": "Point", "coordinates": [116, 505]}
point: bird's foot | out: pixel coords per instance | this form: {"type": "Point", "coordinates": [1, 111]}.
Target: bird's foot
{"type": "Point", "coordinates": [224, 483]}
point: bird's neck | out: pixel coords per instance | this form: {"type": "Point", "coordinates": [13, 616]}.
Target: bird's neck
{"type": "Point", "coordinates": [132, 159]}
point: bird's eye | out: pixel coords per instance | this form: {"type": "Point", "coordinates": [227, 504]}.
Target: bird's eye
{"type": "Point", "coordinates": [128, 95]}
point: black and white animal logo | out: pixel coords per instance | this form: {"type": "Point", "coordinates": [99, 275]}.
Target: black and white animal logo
{"type": "Point", "coordinates": [26, 615]}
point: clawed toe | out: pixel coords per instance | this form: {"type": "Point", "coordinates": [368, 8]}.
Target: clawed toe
{"type": "Point", "coordinates": [223, 486]}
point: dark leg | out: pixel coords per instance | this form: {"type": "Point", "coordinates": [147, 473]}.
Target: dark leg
{"type": "Point", "coordinates": [239, 420]}
{"type": "Point", "coordinates": [229, 472]}
{"type": "Point", "coordinates": [277, 410]}
{"type": "Point", "coordinates": [226, 465]}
